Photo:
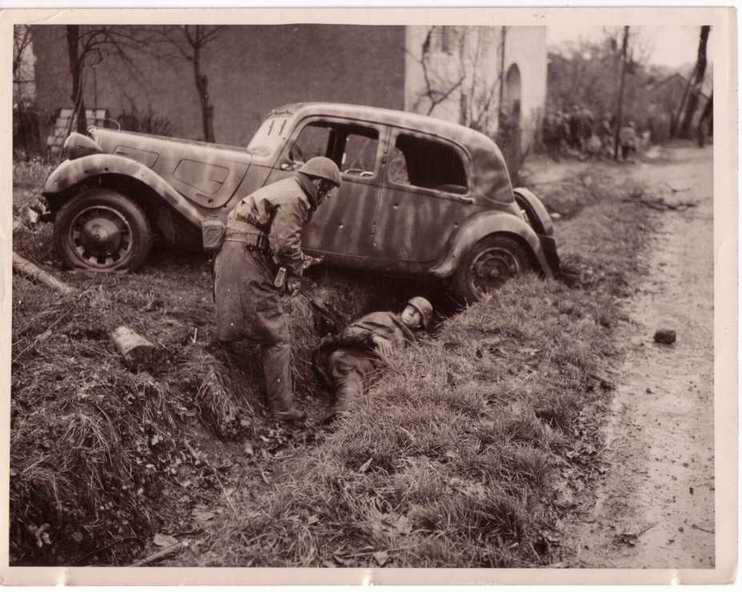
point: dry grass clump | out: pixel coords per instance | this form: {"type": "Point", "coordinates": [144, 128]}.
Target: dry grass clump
{"type": "Point", "coordinates": [98, 451]}
{"type": "Point", "coordinates": [90, 445]}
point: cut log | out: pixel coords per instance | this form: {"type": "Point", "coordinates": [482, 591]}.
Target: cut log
{"type": "Point", "coordinates": [136, 350]}
{"type": "Point", "coordinates": [33, 272]}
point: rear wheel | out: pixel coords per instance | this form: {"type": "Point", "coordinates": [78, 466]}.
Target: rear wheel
{"type": "Point", "coordinates": [102, 230]}
{"type": "Point", "coordinates": [488, 265]}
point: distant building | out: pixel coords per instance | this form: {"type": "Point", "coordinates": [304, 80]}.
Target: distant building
{"type": "Point", "coordinates": [667, 100]}
{"type": "Point", "coordinates": [251, 69]}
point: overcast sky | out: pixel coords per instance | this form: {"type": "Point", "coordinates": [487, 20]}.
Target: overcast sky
{"type": "Point", "coordinates": [668, 46]}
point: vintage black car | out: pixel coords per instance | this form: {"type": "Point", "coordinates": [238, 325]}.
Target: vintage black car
{"type": "Point", "coordinates": [420, 196]}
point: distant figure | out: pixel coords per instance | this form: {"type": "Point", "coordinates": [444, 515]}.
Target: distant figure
{"type": "Point", "coordinates": [552, 135]}
{"type": "Point", "coordinates": [628, 140]}
{"type": "Point", "coordinates": [605, 131]}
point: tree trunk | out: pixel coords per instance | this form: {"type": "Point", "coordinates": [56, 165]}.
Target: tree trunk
{"type": "Point", "coordinates": [700, 73]}
{"type": "Point", "coordinates": [202, 86]}
{"type": "Point", "coordinates": [619, 108]}
{"type": "Point", "coordinates": [76, 67]}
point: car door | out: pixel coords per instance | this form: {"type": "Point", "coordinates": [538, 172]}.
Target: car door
{"type": "Point", "coordinates": [426, 197]}
{"type": "Point", "coordinates": [343, 227]}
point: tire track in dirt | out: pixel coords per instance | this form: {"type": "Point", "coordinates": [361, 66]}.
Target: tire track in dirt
{"type": "Point", "coordinates": [655, 508]}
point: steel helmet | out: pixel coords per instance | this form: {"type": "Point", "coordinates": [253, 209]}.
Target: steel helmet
{"type": "Point", "coordinates": [423, 306]}
{"type": "Point", "coordinates": [322, 167]}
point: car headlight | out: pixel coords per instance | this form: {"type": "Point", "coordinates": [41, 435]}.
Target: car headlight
{"type": "Point", "coordinates": [76, 145]}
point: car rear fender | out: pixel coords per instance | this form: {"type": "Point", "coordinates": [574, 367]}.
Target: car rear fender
{"type": "Point", "coordinates": [74, 172]}
{"type": "Point", "coordinates": [485, 225]}
{"type": "Point", "coordinates": [537, 214]}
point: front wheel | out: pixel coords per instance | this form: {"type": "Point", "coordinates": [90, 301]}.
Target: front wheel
{"type": "Point", "coordinates": [488, 265]}
{"type": "Point", "coordinates": [102, 230]}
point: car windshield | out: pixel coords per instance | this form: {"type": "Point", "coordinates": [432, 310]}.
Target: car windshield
{"type": "Point", "coordinates": [269, 137]}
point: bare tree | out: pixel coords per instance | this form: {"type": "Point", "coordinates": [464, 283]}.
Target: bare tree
{"type": "Point", "coordinates": [189, 43]}
{"type": "Point", "coordinates": [21, 43]}
{"type": "Point", "coordinates": [89, 46]}
{"type": "Point", "coordinates": [451, 60]}
{"type": "Point", "coordinates": [696, 82]}
{"type": "Point", "coordinates": [439, 86]}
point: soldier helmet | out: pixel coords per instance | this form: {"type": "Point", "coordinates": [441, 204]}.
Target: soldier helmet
{"type": "Point", "coordinates": [423, 306]}
{"type": "Point", "coordinates": [323, 168]}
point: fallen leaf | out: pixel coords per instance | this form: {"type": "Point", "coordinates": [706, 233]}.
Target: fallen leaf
{"type": "Point", "coordinates": [313, 519]}
{"type": "Point", "coordinates": [364, 467]}
{"type": "Point", "coordinates": [165, 540]}
{"type": "Point", "coordinates": [381, 557]}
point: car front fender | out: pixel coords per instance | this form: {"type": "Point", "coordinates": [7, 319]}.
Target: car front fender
{"type": "Point", "coordinates": [485, 225]}
{"type": "Point", "coordinates": [72, 172]}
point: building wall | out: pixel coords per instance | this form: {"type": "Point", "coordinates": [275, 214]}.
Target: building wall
{"type": "Point", "coordinates": [526, 47]}
{"type": "Point", "coordinates": [477, 61]}
{"type": "Point", "coordinates": [250, 69]}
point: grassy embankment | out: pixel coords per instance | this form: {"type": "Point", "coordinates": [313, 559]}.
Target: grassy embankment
{"type": "Point", "coordinates": [468, 453]}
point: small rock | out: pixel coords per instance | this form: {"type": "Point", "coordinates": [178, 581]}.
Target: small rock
{"type": "Point", "coordinates": [649, 391]}
{"type": "Point", "coordinates": [666, 336]}
{"type": "Point", "coordinates": [556, 216]}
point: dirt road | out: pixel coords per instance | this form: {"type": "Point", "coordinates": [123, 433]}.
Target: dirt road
{"type": "Point", "coordinates": [655, 508]}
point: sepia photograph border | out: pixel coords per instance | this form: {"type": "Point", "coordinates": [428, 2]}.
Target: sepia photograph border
{"type": "Point", "coordinates": [725, 205]}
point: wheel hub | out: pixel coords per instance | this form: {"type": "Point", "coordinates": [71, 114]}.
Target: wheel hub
{"type": "Point", "coordinates": [101, 236]}
{"type": "Point", "coordinates": [492, 268]}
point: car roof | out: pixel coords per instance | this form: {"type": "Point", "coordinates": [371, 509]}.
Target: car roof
{"type": "Point", "coordinates": [490, 175]}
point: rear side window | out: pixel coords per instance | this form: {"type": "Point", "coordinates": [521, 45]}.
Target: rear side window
{"type": "Point", "coordinates": [427, 163]}
{"type": "Point", "coordinates": [354, 148]}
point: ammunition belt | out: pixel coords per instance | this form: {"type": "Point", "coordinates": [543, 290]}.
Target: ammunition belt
{"type": "Point", "coordinates": [253, 241]}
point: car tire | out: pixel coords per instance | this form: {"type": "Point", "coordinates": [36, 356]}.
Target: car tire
{"type": "Point", "coordinates": [489, 264]}
{"type": "Point", "coordinates": [102, 230]}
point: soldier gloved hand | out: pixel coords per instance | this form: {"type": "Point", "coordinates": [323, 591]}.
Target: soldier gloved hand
{"type": "Point", "coordinates": [383, 347]}
{"type": "Point", "coordinates": [311, 261]}
{"type": "Point", "coordinates": [293, 286]}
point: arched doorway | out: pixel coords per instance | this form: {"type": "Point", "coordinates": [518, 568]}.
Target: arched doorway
{"type": "Point", "coordinates": [511, 100]}
{"type": "Point", "coordinates": [510, 126]}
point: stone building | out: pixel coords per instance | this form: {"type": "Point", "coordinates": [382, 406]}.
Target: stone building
{"type": "Point", "coordinates": [478, 76]}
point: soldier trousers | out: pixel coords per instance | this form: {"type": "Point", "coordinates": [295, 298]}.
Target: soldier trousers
{"type": "Point", "coordinates": [248, 306]}
{"type": "Point", "coordinates": [349, 369]}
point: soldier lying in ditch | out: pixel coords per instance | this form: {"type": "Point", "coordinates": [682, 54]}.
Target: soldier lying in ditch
{"type": "Point", "coordinates": [344, 361]}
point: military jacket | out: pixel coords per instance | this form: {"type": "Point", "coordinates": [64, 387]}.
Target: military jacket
{"type": "Point", "coordinates": [386, 325]}
{"type": "Point", "coordinates": [280, 210]}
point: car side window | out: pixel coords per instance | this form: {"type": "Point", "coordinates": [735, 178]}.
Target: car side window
{"type": "Point", "coordinates": [359, 153]}
{"type": "Point", "coordinates": [354, 148]}
{"type": "Point", "coordinates": [314, 140]}
{"type": "Point", "coordinates": [427, 163]}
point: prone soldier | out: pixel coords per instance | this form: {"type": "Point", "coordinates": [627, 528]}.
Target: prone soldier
{"type": "Point", "coordinates": [361, 349]}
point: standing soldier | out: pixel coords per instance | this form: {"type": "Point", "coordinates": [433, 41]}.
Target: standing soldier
{"type": "Point", "coordinates": [262, 244]}
{"type": "Point", "coordinates": [346, 361]}
{"type": "Point", "coordinates": [628, 140]}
